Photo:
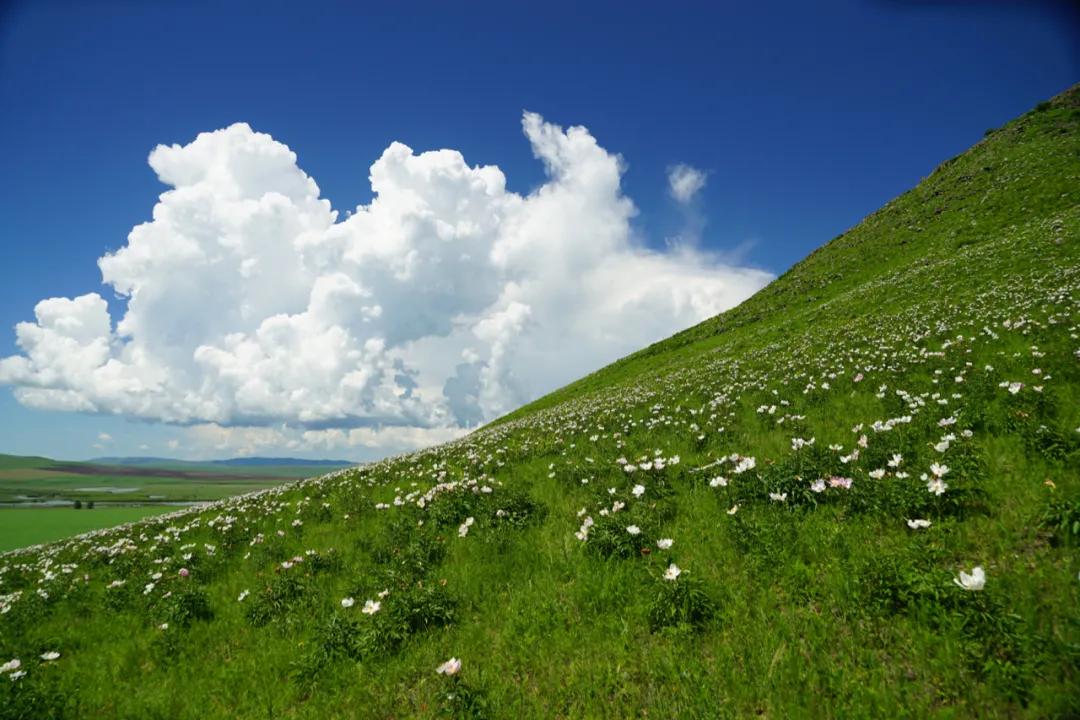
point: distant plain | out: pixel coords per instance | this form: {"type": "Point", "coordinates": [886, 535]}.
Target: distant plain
{"type": "Point", "coordinates": [38, 494]}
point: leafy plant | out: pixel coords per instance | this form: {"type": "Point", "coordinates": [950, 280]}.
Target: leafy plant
{"type": "Point", "coordinates": [683, 601]}
{"type": "Point", "coordinates": [1061, 517]}
{"type": "Point", "coordinates": [285, 596]}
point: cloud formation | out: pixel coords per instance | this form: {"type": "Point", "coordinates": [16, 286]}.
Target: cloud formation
{"type": "Point", "coordinates": [253, 314]}
{"type": "Point", "coordinates": [684, 182]}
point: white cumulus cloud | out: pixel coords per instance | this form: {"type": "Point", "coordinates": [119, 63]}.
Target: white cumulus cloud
{"type": "Point", "coordinates": [684, 182]}
{"type": "Point", "coordinates": [258, 318]}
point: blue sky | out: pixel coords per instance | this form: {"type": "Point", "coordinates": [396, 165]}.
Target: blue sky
{"type": "Point", "coordinates": [804, 117]}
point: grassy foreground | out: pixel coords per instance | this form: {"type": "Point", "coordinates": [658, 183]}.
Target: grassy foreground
{"type": "Point", "coordinates": [22, 527]}
{"type": "Point", "coordinates": [766, 515]}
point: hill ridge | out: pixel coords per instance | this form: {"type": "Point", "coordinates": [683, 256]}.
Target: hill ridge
{"type": "Point", "coordinates": [1068, 100]}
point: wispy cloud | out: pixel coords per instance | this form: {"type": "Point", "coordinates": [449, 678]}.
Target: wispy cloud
{"type": "Point", "coordinates": [684, 182]}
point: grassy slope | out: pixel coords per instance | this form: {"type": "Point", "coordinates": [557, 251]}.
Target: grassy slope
{"type": "Point", "coordinates": [819, 604]}
{"type": "Point", "coordinates": [1026, 171]}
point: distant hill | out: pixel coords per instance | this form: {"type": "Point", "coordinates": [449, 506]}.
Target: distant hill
{"type": "Point", "coordinates": [10, 462]}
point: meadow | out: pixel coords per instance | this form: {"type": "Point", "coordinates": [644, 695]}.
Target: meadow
{"type": "Point", "coordinates": [855, 495]}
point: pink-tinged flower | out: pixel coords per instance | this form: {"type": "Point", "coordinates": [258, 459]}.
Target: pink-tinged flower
{"type": "Point", "coordinates": [842, 482]}
{"type": "Point", "coordinates": [858, 378]}
{"type": "Point", "coordinates": [450, 667]}
{"type": "Point", "coordinates": [184, 572]}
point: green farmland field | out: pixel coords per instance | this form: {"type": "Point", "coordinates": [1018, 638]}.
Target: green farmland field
{"type": "Point", "coordinates": [22, 527]}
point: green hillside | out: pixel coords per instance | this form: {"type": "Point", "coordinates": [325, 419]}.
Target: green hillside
{"type": "Point", "coordinates": [19, 462]}
{"type": "Point", "coordinates": [776, 513]}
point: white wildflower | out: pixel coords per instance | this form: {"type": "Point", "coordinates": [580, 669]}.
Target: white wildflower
{"type": "Point", "coordinates": [450, 667]}
{"type": "Point", "coordinates": [975, 581]}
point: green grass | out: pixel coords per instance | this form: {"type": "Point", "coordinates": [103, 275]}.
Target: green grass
{"type": "Point", "coordinates": [20, 527]}
{"type": "Point", "coordinates": [942, 332]}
